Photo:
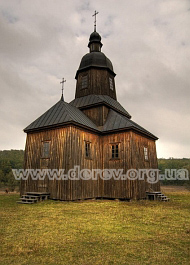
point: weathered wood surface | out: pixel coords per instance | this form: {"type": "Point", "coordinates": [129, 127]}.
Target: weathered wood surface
{"type": "Point", "coordinates": [67, 149]}
{"type": "Point", "coordinates": [98, 83]}
{"type": "Point", "coordinates": [97, 114]}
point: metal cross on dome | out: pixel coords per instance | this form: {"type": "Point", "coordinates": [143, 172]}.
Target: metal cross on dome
{"type": "Point", "coordinates": [95, 13]}
{"type": "Point", "coordinates": [62, 82]}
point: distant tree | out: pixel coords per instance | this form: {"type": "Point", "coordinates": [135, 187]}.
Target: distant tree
{"type": "Point", "coordinates": [1, 178]}
{"type": "Point", "coordinates": [12, 183]}
{"type": "Point", "coordinates": [10, 159]}
{"type": "Point", "coordinates": [174, 163]}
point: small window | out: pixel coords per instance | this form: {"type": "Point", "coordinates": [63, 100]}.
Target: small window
{"type": "Point", "coordinates": [145, 153]}
{"type": "Point", "coordinates": [111, 83]}
{"type": "Point", "coordinates": [84, 81]}
{"type": "Point", "coordinates": [45, 149]}
{"type": "Point", "coordinates": [115, 151]}
{"type": "Point", "coordinates": [87, 149]}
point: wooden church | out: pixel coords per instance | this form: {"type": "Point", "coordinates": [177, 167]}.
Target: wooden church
{"type": "Point", "coordinates": [93, 131]}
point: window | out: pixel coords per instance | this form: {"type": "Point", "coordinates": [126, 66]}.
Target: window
{"type": "Point", "coordinates": [84, 81]}
{"type": "Point", "coordinates": [145, 153]}
{"type": "Point", "coordinates": [115, 151]}
{"type": "Point", "coordinates": [87, 149]}
{"type": "Point", "coordinates": [111, 83]}
{"type": "Point", "coordinates": [45, 149]}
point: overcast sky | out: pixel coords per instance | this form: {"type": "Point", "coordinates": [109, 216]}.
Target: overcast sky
{"type": "Point", "coordinates": [147, 41]}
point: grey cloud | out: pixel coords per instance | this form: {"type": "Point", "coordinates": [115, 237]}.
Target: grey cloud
{"type": "Point", "coordinates": [147, 42]}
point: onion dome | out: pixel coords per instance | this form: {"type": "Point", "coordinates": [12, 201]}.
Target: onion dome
{"type": "Point", "coordinates": [95, 58]}
{"type": "Point", "coordinates": [95, 38]}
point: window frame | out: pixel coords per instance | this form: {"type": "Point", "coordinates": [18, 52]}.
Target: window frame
{"type": "Point", "coordinates": [87, 149]}
{"type": "Point", "coordinates": [84, 82]}
{"type": "Point", "coordinates": [45, 153]}
{"type": "Point", "coordinates": [146, 157]}
{"type": "Point", "coordinates": [111, 83]}
{"type": "Point", "coordinates": [115, 151]}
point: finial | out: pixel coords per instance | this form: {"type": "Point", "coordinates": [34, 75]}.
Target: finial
{"type": "Point", "coordinates": [62, 82]}
{"type": "Point", "coordinates": [95, 13]}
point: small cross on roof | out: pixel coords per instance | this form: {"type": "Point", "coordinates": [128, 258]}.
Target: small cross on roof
{"type": "Point", "coordinates": [62, 82]}
{"type": "Point", "coordinates": [95, 13]}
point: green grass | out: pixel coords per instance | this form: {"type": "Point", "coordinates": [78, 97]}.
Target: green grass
{"type": "Point", "coordinates": [95, 232]}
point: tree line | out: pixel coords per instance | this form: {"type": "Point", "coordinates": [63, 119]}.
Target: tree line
{"type": "Point", "coordinates": [174, 163]}
{"type": "Point", "coordinates": [14, 159]}
{"type": "Point", "coordinates": [10, 159]}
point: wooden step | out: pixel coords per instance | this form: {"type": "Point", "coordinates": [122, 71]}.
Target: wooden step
{"type": "Point", "coordinates": [165, 199]}
{"type": "Point", "coordinates": [28, 200]}
{"type": "Point", "coordinates": [156, 195]}
{"type": "Point", "coordinates": [42, 195]}
{"type": "Point", "coordinates": [162, 197]}
{"type": "Point", "coordinates": [30, 197]}
{"type": "Point", "coordinates": [34, 197]}
{"type": "Point", "coordinates": [22, 202]}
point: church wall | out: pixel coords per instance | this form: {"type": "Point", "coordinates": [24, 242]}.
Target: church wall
{"type": "Point", "coordinates": [67, 149]}
{"type": "Point", "coordinates": [97, 114]}
{"type": "Point", "coordinates": [131, 156]}
{"type": "Point", "coordinates": [85, 188]}
{"type": "Point", "coordinates": [116, 188]}
{"type": "Point", "coordinates": [98, 83]}
{"type": "Point", "coordinates": [138, 161]}
{"type": "Point", "coordinates": [59, 140]}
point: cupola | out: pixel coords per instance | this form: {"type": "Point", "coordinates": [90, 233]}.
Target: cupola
{"type": "Point", "coordinates": [95, 44]}
{"type": "Point", "coordinates": [95, 74]}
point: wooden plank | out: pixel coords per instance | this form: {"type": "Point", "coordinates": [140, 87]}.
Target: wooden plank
{"type": "Point", "coordinates": [68, 150]}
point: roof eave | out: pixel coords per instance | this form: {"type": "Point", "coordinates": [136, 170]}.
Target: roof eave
{"type": "Point", "coordinates": [98, 131]}
{"type": "Point", "coordinates": [94, 66]}
{"type": "Point", "coordinates": [131, 128]}
{"type": "Point", "coordinates": [55, 126]}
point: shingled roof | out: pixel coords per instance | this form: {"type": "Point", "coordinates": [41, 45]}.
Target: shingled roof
{"type": "Point", "coordinates": [93, 100]}
{"type": "Point", "coordinates": [60, 114]}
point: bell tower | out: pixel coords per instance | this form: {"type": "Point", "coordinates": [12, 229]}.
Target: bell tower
{"type": "Point", "coordinates": [95, 75]}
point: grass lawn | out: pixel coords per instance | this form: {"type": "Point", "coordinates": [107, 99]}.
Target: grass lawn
{"type": "Point", "coordinates": [96, 232]}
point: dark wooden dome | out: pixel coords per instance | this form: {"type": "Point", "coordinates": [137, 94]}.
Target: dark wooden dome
{"type": "Point", "coordinates": [97, 59]}
{"type": "Point", "coordinates": [95, 37]}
